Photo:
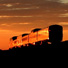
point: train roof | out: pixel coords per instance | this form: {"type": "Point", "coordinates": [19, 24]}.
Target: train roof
{"type": "Point", "coordinates": [55, 25]}
{"type": "Point", "coordinates": [24, 34]}
{"type": "Point", "coordinates": [14, 38]}
{"type": "Point", "coordinates": [37, 29]}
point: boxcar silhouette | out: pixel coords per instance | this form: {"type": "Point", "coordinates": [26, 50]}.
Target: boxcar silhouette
{"type": "Point", "coordinates": [55, 33]}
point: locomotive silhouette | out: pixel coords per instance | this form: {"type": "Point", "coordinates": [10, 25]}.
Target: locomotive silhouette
{"type": "Point", "coordinates": [53, 34]}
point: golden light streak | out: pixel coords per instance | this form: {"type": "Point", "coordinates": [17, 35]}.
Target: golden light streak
{"type": "Point", "coordinates": [13, 16]}
{"type": "Point", "coordinates": [63, 23]}
{"type": "Point", "coordinates": [64, 15]}
{"type": "Point", "coordinates": [21, 8]}
{"type": "Point", "coordinates": [9, 5]}
{"type": "Point", "coordinates": [12, 24]}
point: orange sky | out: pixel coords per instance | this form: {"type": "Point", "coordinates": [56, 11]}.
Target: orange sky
{"type": "Point", "coordinates": [5, 35]}
{"type": "Point", "coordinates": [21, 16]}
{"type": "Point", "coordinates": [65, 35]}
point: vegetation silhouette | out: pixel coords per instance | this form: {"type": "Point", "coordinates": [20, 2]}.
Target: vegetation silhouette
{"type": "Point", "coordinates": [55, 41]}
{"type": "Point", "coordinates": [19, 51]}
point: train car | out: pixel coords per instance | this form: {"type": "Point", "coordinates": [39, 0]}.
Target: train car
{"type": "Point", "coordinates": [39, 35]}
{"type": "Point", "coordinates": [13, 42]}
{"type": "Point", "coordinates": [25, 40]}
{"type": "Point", "coordinates": [53, 33]}
{"type": "Point", "coordinates": [43, 34]}
{"type": "Point", "coordinates": [19, 39]}
{"type": "Point", "coordinates": [33, 36]}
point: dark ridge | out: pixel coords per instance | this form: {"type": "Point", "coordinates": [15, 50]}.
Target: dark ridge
{"type": "Point", "coordinates": [32, 49]}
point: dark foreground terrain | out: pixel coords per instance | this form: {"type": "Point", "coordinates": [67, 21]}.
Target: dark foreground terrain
{"type": "Point", "coordinates": [20, 51]}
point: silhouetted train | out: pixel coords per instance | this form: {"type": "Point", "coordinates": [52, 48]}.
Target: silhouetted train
{"type": "Point", "coordinates": [53, 33]}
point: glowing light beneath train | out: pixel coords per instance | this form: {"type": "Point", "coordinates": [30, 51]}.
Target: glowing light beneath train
{"type": "Point", "coordinates": [34, 43]}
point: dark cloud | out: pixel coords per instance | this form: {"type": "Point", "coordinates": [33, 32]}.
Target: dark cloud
{"type": "Point", "coordinates": [41, 13]}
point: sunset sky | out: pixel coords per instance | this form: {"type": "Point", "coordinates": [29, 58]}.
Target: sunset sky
{"type": "Point", "coordinates": [21, 16]}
